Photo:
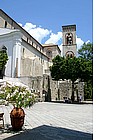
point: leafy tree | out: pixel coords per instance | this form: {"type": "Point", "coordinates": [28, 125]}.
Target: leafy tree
{"type": "Point", "coordinates": [57, 68]}
{"type": "Point", "coordinates": [70, 68]}
{"type": "Point", "coordinates": [3, 61]}
{"type": "Point", "coordinates": [86, 52]}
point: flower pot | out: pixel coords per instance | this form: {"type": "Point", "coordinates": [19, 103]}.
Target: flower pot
{"type": "Point", "coordinates": [17, 118]}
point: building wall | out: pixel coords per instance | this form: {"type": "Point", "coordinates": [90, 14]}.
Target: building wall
{"type": "Point", "coordinates": [51, 51]}
{"type": "Point", "coordinates": [66, 47]}
{"type": "Point", "coordinates": [33, 62]}
{"type": "Point", "coordinates": [69, 29]}
{"type": "Point", "coordinates": [61, 89]}
{"type": "Point", "coordinates": [30, 47]}
{"type": "Point", "coordinates": [29, 62]}
{"type": "Point", "coordinates": [12, 42]}
{"type": "Point", "coordinates": [11, 24]}
{"type": "Point", "coordinates": [28, 67]}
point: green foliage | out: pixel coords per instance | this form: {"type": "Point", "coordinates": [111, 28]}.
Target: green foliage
{"type": "Point", "coordinates": [71, 68]}
{"type": "Point", "coordinates": [17, 95]}
{"type": "Point", "coordinates": [86, 53]}
{"type": "Point", "coordinates": [3, 59]}
{"type": "Point", "coordinates": [85, 70]}
{"type": "Point", "coordinates": [88, 90]}
{"type": "Point", "coordinates": [57, 68]}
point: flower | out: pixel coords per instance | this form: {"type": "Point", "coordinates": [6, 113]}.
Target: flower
{"type": "Point", "coordinates": [19, 96]}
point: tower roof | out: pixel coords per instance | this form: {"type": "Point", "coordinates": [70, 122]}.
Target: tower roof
{"type": "Point", "coordinates": [69, 27]}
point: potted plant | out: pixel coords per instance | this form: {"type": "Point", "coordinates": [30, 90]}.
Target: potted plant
{"type": "Point", "coordinates": [20, 97]}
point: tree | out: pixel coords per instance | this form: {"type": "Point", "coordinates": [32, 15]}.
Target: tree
{"type": "Point", "coordinates": [3, 61]}
{"type": "Point", "coordinates": [86, 53]}
{"type": "Point", "coordinates": [70, 68]}
{"type": "Point", "coordinates": [57, 68]}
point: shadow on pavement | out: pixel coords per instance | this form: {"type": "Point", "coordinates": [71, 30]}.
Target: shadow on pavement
{"type": "Point", "coordinates": [46, 132]}
{"type": "Point", "coordinates": [75, 102]}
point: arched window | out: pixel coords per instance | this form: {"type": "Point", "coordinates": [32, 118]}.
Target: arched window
{"type": "Point", "coordinates": [49, 53]}
{"type": "Point", "coordinates": [69, 40]}
{"type": "Point", "coordinates": [70, 54]}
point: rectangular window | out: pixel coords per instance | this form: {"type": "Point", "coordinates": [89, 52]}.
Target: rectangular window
{"type": "Point", "coordinates": [23, 51]}
{"type": "Point", "coordinates": [5, 26]}
{"type": "Point", "coordinates": [45, 70]}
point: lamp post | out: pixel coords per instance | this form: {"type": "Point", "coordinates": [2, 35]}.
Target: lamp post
{"type": "Point", "coordinates": [3, 50]}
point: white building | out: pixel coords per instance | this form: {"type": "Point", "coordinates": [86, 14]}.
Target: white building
{"type": "Point", "coordinates": [29, 61]}
{"type": "Point", "coordinates": [22, 57]}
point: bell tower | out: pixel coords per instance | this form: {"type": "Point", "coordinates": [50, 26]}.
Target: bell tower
{"type": "Point", "coordinates": [69, 41]}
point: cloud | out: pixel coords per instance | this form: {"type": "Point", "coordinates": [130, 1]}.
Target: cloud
{"type": "Point", "coordinates": [54, 38]}
{"type": "Point", "coordinates": [79, 42]}
{"type": "Point", "coordinates": [37, 32]}
{"type": "Point", "coordinates": [29, 26]}
{"type": "Point", "coordinates": [41, 34]}
{"type": "Point", "coordinates": [87, 41]}
{"type": "Point", "coordinates": [60, 47]}
{"type": "Point", "coordinates": [20, 24]}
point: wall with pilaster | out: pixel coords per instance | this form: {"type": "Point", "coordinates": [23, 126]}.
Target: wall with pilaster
{"type": "Point", "coordinates": [12, 42]}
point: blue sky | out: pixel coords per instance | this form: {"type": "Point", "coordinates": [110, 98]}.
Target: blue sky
{"type": "Point", "coordinates": [44, 19]}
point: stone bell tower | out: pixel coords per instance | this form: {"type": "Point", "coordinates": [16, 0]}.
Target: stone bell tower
{"type": "Point", "coordinates": [69, 40]}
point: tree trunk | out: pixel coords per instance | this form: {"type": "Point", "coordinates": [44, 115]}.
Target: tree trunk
{"type": "Point", "coordinates": [49, 91]}
{"type": "Point", "coordinates": [2, 71]}
{"type": "Point", "coordinates": [1, 76]}
{"type": "Point", "coordinates": [72, 97]}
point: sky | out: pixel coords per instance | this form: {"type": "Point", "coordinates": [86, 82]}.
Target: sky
{"type": "Point", "coordinates": [44, 19]}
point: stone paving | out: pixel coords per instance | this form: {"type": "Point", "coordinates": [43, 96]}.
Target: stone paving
{"type": "Point", "coordinates": [51, 121]}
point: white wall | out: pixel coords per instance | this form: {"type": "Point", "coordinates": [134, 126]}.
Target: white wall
{"type": "Point", "coordinates": [32, 63]}
{"type": "Point", "coordinates": [11, 41]}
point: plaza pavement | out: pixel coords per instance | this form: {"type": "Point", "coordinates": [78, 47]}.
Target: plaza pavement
{"type": "Point", "coordinates": [51, 121]}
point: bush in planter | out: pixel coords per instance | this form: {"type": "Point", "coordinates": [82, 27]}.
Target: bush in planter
{"type": "Point", "coordinates": [19, 96]}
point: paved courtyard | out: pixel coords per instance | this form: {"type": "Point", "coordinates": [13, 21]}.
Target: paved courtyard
{"type": "Point", "coordinates": [51, 121]}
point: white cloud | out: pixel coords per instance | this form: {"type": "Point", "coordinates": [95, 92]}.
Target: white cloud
{"type": "Point", "coordinates": [87, 41]}
{"type": "Point", "coordinates": [40, 33]}
{"type": "Point", "coordinates": [29, 26]}
{"type": "Point", "coordinates": [37, 32]}
{"type": "Point", "coordinates": [79, 42]}
{"type": "Point", "coordinates": [54, 38]}
{"type": "Point", "coordinates": [60, 47]}
{"type": "Point", "coordinates": [20, 24]}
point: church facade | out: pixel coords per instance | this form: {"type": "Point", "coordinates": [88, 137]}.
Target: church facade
{"type": "Point", "coordinates": [29, 61]}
